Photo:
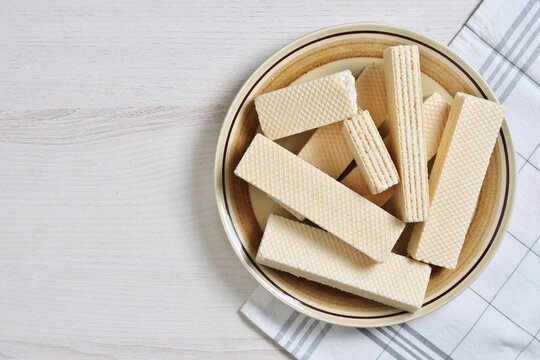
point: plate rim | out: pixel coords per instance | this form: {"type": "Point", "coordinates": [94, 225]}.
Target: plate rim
{"type": "Point", "coordinates": [283, 295]}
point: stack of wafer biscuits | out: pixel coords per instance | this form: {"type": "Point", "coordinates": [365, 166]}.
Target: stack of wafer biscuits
{"type": "Point", "coordinates": [351, 248]}
{"type": "Point", "coordinates": [328, 150]}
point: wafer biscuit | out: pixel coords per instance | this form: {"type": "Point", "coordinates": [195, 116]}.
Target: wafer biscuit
{"type": "Point", "coordinates": [435, 114]}
{"type": "Point", "coordinates": [323, 200]}
{"type": "Point", "coordinates": [372, 157]}
{"type": "Point", "coordinates": [456, 179]}
{"type": "Point", "coordinates": [405, 121]}
{"type": "Point", "coordinates": [306, 106]}
{"type": "Point", "coordinates": [371, 92]}
{"type": "Point", "coordinates": [316, 255]}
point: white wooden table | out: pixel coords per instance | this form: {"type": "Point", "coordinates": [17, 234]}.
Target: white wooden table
{"type": "Point", "coordinates": [110, 242]}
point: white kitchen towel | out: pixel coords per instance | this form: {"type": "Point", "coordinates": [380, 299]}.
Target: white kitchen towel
{"type": "Point", "coordinates": [498, 317]}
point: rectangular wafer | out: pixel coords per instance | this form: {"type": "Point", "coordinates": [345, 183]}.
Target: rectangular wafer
{"type": "Point", "coordinates": [435, 114]}
{"type": "Point", "coordinates": [316, 255]}
{"type": "Point", "coordinates": [372, 157]}
{"type": "Point", "coordinates": [306, 106]}
{"type": "Point", "coordinates": [405, 121]}
{"type": "Point", "coordinates": [320, 198]}
{"type": "Point", "coordinates": [371, 92]}
{"type": "Point", "coordinates": [456, 179]}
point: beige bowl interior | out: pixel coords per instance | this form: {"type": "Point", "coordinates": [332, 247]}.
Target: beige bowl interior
{"type": "Point", "coordinates": [244, 209]}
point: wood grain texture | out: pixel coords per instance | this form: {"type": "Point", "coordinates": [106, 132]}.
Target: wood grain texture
{"type": "Point", "coordinates": [67, 54]}
{"type": "Point", "coordinates": [111, 243]}
{"type": "Point", "coordinates": [110, 237]}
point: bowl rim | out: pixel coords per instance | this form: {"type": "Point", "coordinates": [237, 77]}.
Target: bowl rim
{"type": "Point", "coordinates": [254, 269]}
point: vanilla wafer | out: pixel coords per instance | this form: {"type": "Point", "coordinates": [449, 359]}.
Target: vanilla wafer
{"type": "Point", "coordinates": [372, 157]}
{"type": "Point", "coordinates": [306, 106]}
{"type": "Point", "coordinates": [456, 179]}
{"type": "Point", "coordinates": [323, 200]}
{"type": "Point", "coordinates": [316, 255]}
{"type": "Point", "coordinates": [405, 121]}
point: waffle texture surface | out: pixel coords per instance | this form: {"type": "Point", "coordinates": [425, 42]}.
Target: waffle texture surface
{"type": "Point", "coordinates": [435, 115]}
{"type": "Point", "coordinates": [306, 106]}
{"type": "Point", "coordinates": [371, 92]}
{"type": "Point", "coordinates": [316, 255]}
{"type": "Point", "coordinates": [320, 198]}
{"type": "Point", "coordinates": [456, 179]}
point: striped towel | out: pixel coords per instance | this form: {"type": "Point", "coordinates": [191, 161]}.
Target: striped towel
{"type": "Point", "coordinates": [498, 317]}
